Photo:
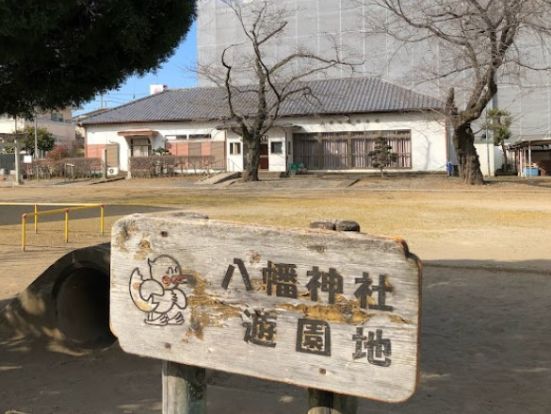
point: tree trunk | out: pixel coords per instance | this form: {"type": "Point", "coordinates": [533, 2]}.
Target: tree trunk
{"type": "Point", "coordinates": [469, 164]}
{"type": "Point", "coordinates": [505, 161]}
{"type": "Point", "coordinates": [251, 160]}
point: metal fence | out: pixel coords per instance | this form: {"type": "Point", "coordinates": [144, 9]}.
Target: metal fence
{"type": "Point", "coordinates": [169, 165]}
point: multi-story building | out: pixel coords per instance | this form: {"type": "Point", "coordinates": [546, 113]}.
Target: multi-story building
{"type": "Point", "coordinates": [59, 123]}
{"type": "Point", "coordinates": [326, 26]}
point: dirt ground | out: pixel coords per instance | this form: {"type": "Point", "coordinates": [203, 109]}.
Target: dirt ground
{"type": "Point", "coordinates": [485, 333]}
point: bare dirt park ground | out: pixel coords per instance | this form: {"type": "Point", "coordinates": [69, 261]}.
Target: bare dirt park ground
{"type": "Point", "coordinates": [487, 282]}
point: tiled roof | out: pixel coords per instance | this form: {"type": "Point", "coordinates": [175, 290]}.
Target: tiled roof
{"type": "Point", "coordinates": [330, 96]}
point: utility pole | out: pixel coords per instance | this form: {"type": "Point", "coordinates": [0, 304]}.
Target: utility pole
{"type": "Point", "coordinates": [16, 151]}
{"type": "Point", "coordinates": [35, 136]}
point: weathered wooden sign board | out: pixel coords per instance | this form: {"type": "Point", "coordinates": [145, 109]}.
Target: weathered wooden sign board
{"type": "Point", "coordinates": [316, 308]}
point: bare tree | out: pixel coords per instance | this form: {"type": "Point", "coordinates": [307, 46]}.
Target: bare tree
{"type": "Point", "coordinates": [480, 42]}
{"type": "Point", "coordinates": [255, 105]}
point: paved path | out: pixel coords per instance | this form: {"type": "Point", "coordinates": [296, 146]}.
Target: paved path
{"type": "Point", "coordinates": [12, 214]}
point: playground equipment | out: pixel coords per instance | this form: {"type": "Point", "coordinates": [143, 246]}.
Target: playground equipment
{"type": "Point", "coordinates": [68, 302]}
{"type": "Point", "coordinates": [65, 211]}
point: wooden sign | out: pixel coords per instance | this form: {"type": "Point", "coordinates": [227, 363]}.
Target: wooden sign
{"type": "Point", "coordinates": [316, 308]}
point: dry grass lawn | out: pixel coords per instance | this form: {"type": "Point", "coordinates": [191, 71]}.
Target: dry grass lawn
{"type": "Point", "coordinates": [506, 222]}
{"type": "Point", "coordinates": [485, 333]}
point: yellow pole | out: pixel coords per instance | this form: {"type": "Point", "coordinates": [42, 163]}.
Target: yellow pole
{"type": "Point", "coordinates": [23, 231]}
{"type": "Point", "coordinates": [66, 225]}
{"type": "Point", "coordinates": [102, 219]}
{"type": "Point", "coordinates": [36, 218]}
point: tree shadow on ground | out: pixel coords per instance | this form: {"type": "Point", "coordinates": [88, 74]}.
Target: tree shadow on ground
{"type": "Point", "coordinates": [484, 349]}
{"type": "Point", "coordinates": [538, 182]}
{"type": "Point", "coordinates": [485, 340]}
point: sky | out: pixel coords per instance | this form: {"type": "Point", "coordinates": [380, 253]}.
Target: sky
{"type": "Point", "coordinates": [175, 73]}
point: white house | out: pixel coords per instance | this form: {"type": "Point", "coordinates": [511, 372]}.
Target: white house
{"type": "Point", "coordinates": [333, 132]}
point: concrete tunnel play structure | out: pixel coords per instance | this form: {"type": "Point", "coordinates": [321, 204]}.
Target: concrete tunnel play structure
{"type": "Point", "coordinates": [68, 302]}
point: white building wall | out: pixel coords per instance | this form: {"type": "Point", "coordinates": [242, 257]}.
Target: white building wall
{"type": "Point", "coordinates": [104, 135]}
{"type": "Point", "coordinates": [490, 157]}
{"type": "Point", "coordinates": [428, 133]}
{"type": "Point", "coordinates": [428, 137]}
{"type": "Point", "coordinates": [277, 161]}
{"type": "Point", "coordinates": [234, 161]}
{"type": "Point", "coordinates": [7, 124]}
{"type": "Point", "coordinates": [108, 134]}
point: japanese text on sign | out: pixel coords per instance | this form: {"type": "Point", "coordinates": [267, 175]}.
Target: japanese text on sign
{"type": "Point", "coordinates": [314, 336]}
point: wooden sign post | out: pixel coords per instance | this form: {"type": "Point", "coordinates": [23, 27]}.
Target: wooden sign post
{"type": "Point", "coordinates": [327, 310]}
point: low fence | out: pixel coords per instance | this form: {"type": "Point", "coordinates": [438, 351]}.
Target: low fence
{"type": "Point", "coordinates": [170, 165]}
{"type": "Point", "coordinates": [70, 168]}
{"type": "Point", "coordinates": [152, 166]}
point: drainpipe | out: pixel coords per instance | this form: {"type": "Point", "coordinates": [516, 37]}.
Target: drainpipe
{"type": "Point", "coordinates": [521, 161]}
{"type": "Point", "coordinates": [530, 156]}
{"type": "Point", "coordinates": [487, 145]}
{"type": "Point", "coordinates": [129, 156]}
{"type": "Point", "coordinates": [104, 172]}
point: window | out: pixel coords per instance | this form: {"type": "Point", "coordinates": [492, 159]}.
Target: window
{"type": "Point", "coordinates": [276, 147]}
{"type": "Point", "coordinates": [176, 137]}
{"type": "Point", "coordinates": [188, 136]}
{"type": "Point", "coordinates": [349, 150]}
{"type": "Point", "coordinates": [56, 116]}
{"type": "Point", "coordinates": [140, 147]}
{"type": "Point", "coordinates": [199, 136]}
{"type": "Point", "coordinates": [235, 148]}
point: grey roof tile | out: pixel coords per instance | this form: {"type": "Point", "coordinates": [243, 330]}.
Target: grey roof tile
{"type": "Point", "coordinates": [330, 96]}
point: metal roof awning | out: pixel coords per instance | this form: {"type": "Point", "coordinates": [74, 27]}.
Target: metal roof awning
{"type": "Point", "coordinates": [147, 133]}
{"type": "Point", "coordinates": [531, 143]}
